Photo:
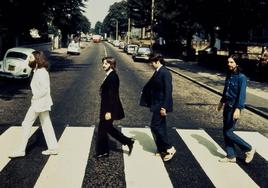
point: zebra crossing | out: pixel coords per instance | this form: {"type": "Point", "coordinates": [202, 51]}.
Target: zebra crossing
{"type": "Point", "coordinates": [143, 168]}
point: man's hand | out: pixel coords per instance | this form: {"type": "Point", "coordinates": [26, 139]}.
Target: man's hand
{"type": "Point", "coordinates": [108, 116]}
{"type": "Point", "coordinates": [163, 112]}
{"type": "Point", "coordinates": [236, 114]}
{"type": "Point", "coordinates": [219, 107]}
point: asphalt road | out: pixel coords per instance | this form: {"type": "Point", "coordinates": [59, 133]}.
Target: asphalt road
{"type": "Point", "coordinates": [75, 82]}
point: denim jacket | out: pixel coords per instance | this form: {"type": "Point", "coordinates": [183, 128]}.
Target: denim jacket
{"type": "Point", "coordinates": [234, 93]}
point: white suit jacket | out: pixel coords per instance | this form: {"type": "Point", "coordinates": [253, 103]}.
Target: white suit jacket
{"type": "Point", "coordinates": [40, 85]}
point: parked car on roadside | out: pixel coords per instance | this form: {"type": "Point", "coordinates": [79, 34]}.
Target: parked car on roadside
{"type": "Point", "coordinates": [116, 43]}
{"type": "Point", "coordinates": [130, 48]}
{"type": "Point", "coordinates": [122, 44]}
{"type": "Point", "coordinates": [73, 48]}
{"type": "Point", "coordinates": [143, 53]}
{"type": "Point", "coordinates": [15, 63]}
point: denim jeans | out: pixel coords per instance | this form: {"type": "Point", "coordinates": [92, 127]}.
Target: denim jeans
{"type": "Point", "coordinates": [230, 138]}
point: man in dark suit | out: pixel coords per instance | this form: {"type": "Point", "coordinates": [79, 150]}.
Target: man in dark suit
{"type": "Point", "coordinates": [111, 109]}
{"type": "Point", "coordinates": [157, 95]}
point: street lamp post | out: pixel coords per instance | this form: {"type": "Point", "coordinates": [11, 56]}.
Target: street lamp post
{"type": "Point", "coordinates": [152, 23]}
{"type": "Point", "coordinates": [116, 30]}
{"type": "Point", "coordinates": [128, 31]}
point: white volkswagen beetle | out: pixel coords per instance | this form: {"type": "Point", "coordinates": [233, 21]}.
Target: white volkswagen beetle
{"type": "Point", "coordinates": [15, 63]}
{"type": "Point", "coordinates": [73, 48]}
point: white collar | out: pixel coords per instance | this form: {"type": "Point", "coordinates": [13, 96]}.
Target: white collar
{"type": "Point", "coordinates": [109, 71]}
{"type": "Point", "coordinates": [159, 67]}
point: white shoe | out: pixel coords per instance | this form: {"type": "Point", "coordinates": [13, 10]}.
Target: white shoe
{"type": "Point", "coordinates": [250, 155]}
{"type": "Point", "coordinates": [50, 152]}
{"type": "Point", "coordinates": [17, 154]}
{"type": "Point", "coordinates": [170, 153]}
{"type": "Point", "coordinates": [228, 160]}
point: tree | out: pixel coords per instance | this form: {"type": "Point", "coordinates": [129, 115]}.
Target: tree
{"type": "Point", "coordinates": [117, 13]}
{"type": "Point", "coordinates": [63, 14]}
{"type": "Point", "coordinates": [98, 28]}
{"type": "Point", "coordinates": [140, 12]}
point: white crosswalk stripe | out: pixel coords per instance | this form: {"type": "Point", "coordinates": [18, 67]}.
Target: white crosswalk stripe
{"type": "Point", "coordinates": [207, 152]}
{"type": "Point", "coordinates": [9, 140]}
{"type": "Point", "coordinates": [142, 168]}
{"type": "Point", "coordinates": [257, 140]}
{"type": "Point", "coordinates": [67, 169]}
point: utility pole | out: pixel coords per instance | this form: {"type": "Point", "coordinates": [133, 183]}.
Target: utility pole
{"type": "Point", "coordinates": [128, 31]}
{"type": "Point", "coordinates": [152, 23]}
{"type": "Point", "coordinates": [116, 32]}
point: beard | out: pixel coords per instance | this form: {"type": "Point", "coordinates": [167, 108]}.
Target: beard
{"type": "Point", "coordinates": [107, 69]}
{"type": "Point", "coordinates": [32, 64]}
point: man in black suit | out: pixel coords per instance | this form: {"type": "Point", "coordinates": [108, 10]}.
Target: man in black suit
{"type": "Point", "coordinates": [111, 109]}
{"type": "Point", "coordinates": [157, 95]}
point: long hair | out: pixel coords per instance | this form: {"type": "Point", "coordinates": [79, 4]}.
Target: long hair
{"type": "Point", "coordinates": [237, 60]}
{"type": "Point", "coordinates": [111, 61]}
{"type": "Point", "coordinates": [40, 59]}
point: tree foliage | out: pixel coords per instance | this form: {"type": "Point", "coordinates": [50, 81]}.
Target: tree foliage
{"type": "Point", "coordinates": [176, 20]}
{"type": "Point", "coordinates": [117, 13]}
{"type": "Point", "coordinates": [18, 16]}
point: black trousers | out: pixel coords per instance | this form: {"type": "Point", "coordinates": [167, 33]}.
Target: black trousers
{"type": "Point", "coordinates": [159, 132]}
{"type": "Point", "coordinates": [106, 127]}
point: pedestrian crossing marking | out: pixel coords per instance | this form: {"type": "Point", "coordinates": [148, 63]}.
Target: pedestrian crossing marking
{"type": "Point", "coordinates": [9, 140]}
{"type": "Point", "coordinates": [207, 152]}
{"type": "Point", "coordinates": [256, 140]}
{"type": "Point", "coordinates": [143, 168]}
{"type": "Point", "coordinates": [68, 167]}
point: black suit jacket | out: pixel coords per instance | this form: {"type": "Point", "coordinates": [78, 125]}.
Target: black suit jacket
{"type": "Point", "coordinates": [157, 93]}
{"type": "Point", "coordinates": [110, 101]}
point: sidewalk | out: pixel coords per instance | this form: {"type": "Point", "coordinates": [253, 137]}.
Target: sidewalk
{"type": "Point", "coordinates": [257, 92]}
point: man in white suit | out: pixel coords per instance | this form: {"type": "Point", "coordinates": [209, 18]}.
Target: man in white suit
{"type": "Point", "coordinates": [40, 106]}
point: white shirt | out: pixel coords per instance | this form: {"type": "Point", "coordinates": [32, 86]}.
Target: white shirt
{"type": "Point", "coordinates": [159, 68]}
{"type": "Point", "coordinates": [107, 74]}
{"type": "Point", "coordinates": [40, 85]}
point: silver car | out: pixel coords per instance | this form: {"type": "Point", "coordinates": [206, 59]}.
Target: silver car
{"type": "Point", "coordinates": [143, 53]}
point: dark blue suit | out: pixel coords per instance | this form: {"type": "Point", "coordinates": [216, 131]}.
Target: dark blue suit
{"type": "Point", "coordinates": [157, 94]}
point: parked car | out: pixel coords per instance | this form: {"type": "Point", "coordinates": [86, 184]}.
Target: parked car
{"type": "Point", "coordinates": [122, 45]}
{"type": "Point", "coordinates": [15, 63]}
{"type": "Point", "coordinates": [130, 48]}
{"type": "Point", "coordinates": [116, 43]}
{"type": "Point", "coordinates": [143, 53]}
{"type": "Point", "coordinates": [73, 48]}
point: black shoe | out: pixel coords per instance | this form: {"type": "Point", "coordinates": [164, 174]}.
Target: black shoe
{"type": "Point", "coordinates": [130, 146]}
{"type": "Point", "coordinates": [101, 155]}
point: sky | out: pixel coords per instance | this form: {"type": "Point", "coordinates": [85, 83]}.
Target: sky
{"type": "Point", "coordinates": [96, 10]}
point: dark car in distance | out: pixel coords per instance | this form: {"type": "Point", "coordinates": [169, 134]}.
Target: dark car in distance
{"type": "Point", "coordinates": [142, 53]}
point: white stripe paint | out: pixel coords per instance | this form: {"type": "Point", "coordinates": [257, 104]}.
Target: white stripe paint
{"type": "Point", "coordinates": [67, 169]}
{"type": "Point", "coordinates": [143, 169]}
{"type": "Point", "coordinates": [257, 140]}
{"type": "Point", "coordinates": [105, 51]}
{"type": "Point", "coordinates": [9, 141]}
{"type": "Point", "coordinates": [207, 152]}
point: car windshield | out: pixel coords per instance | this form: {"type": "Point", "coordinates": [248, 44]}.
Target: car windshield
{"type": "Point", "coordinates": [144, 50]}
{"type": "Point", "coordinates": [131, 47]}
{"type": "Point", "coordinates": [17, 55]}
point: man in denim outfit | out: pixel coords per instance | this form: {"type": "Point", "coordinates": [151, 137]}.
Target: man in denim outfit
{"type": "Point", "coordinates": [233, 99]}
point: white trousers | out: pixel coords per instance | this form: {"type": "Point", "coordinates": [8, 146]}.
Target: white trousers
{"type": "Point", "coordinates": [46, 125]}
